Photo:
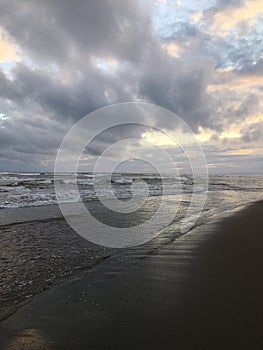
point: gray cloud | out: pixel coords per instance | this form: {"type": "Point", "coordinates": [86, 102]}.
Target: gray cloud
{"type": "Point", "coordinates": [253, 133]}
{"type": "Point", "coordinates": [180, 86]}
{"type": "Point", "coordinates": [60, 31]}
{"type": "Point", "coordinates": [28, 140]}
{"type": "Point", "coordinates": [255, 69]}
{"type": "Point", "coordinates": [72, 99]}
{"type": "Point", "coordinates": [59, 80]}
{"type": "Point", "coordinates": [223, 4]}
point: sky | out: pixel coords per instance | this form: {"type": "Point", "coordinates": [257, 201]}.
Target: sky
{"type": "Point", "coordinates": [203, 60]}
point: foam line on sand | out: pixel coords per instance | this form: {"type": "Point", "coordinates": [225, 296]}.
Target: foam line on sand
{"type": "Point", "coordinates": [202, 291]}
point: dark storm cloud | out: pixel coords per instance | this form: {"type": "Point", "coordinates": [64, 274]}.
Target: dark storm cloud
{"type": "Point", "coordinates": [29, 140]}
{"type": "Point", "coordinates": [72, 99]}
{"type": "Point", "coordinates": [63, 30]}
{"type": "Point", "coordinates": [115, 134]}
{"type": "Point", "coordinates": [7, 89]}
{"type": "Point", "coordinates": [180, 86]}
{"type": "Point", "coordinates": [60, 79]}
{"type": "Point", "coordinates": [71, 35]}
{"type": "Point", "coordinates": [52, 32]}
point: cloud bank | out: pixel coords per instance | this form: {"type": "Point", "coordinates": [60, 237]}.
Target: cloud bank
{"type": "Point", "coordinates": [66, 60]}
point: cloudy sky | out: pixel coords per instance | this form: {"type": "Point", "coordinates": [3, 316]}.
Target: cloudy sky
{"type": "Point", "coordinates": [60, 60]}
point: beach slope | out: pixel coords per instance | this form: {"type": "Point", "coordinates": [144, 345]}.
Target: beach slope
{"type": "Point", "coordinates": [202, 291]}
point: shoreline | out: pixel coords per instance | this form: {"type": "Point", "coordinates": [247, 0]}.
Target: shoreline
{"type": "Point", "coordinates": [45, 216]}
{"type": "Point", "coordinates": [140, 293]}
{"type": "Point", "coordinates": [39, 221]}
{"type": "Point", "coordinates": [35, 213]}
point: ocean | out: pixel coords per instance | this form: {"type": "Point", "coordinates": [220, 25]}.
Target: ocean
{"type": "Point", "coordinates": [39, 249]}
{"type": "Point", "coordinates": [37, 189]}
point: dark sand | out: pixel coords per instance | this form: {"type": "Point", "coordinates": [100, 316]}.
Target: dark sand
{"type": "Point", "coordinates": [202, 291]}
{"type": "Point", "coordinates": [39, 249]}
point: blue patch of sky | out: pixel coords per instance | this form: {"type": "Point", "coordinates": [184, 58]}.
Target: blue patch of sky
{"type": "Point", "coordinates": [7, 65]}
{"type": "Point", "coordinates": [168, 14]}
{"type": "Point", "coordinates": [243, 46]}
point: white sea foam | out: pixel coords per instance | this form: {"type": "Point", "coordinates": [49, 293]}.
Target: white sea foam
{"type": "Point", "coordinates": [123, 181]}
{"type": "Point", "coordinates": [29, 174]}
{"type": "Point", "coordinates": [18, 190]}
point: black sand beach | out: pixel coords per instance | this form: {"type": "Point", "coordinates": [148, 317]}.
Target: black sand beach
{"type": "Point", "coordinates": [39, 249]}
{"type": "Point", "coordinates": [131, 182]}
{"type": "Point", "coordinates": [202, 291]}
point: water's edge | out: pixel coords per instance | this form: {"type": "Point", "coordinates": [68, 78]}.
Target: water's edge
{"type": "Point", "coordinates": [166, 237]}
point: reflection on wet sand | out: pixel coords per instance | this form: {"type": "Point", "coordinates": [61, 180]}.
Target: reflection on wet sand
{"type": "Point", "coordinates": [28, 339]}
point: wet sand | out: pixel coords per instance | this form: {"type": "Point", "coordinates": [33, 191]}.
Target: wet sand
{"type": "Point", "coordinates": [202, 291]}
{"type": "Point", "coordinates": [39, 250]}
